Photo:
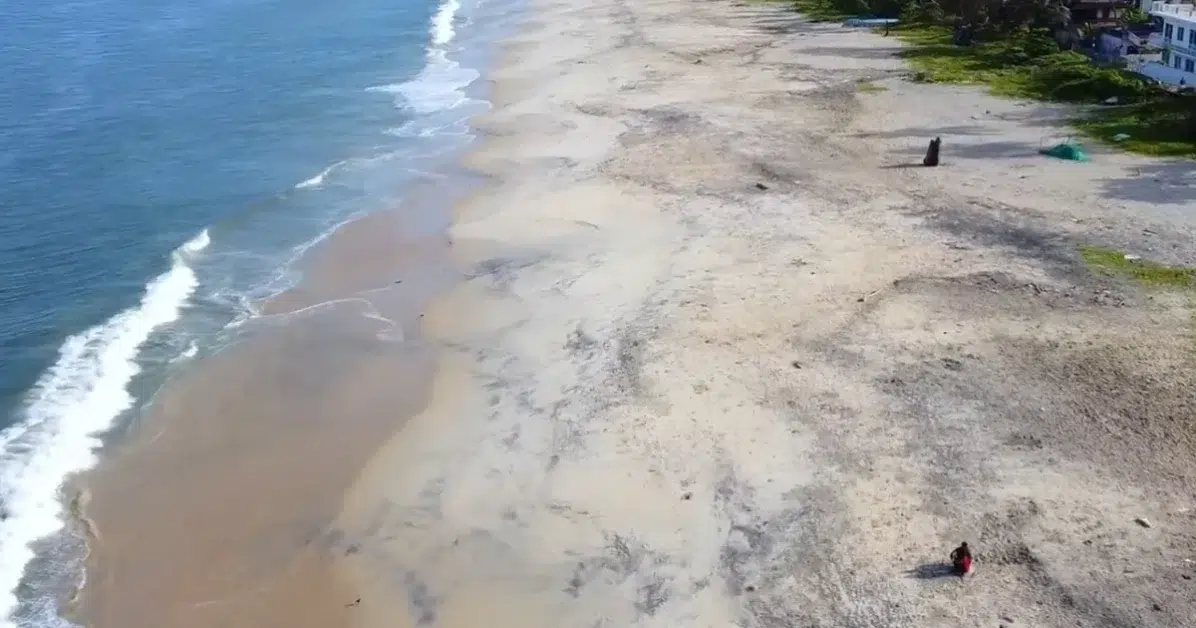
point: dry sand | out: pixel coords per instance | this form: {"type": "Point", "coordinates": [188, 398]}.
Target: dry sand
{"type": "Point", "coordinates": [721, 360]}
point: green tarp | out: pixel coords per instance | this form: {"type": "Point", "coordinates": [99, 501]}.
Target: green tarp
{"type": "Point", "coordinates": [1071, 152]}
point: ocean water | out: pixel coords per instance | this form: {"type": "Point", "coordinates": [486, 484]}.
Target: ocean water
{"type": "Point", "coordinates": [163, 166]}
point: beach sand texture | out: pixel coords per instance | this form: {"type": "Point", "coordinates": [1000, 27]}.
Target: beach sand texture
{"type": "Point", "coordinates": [722, 360]}
{"type": "Point", "coordinates": [216, 513]}
{"type": "Point", "coordinates": [717, 357]}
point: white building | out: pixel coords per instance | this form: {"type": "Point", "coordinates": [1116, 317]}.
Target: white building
{"type": "Point", "coordinates": [1178, 42]}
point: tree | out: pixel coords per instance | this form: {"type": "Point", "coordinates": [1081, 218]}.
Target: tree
{"type": "Point", "coordinates": [923, 12]}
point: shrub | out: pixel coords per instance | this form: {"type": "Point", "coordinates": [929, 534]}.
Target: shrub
{"type": "Point", "coordinates": [1071, 77]}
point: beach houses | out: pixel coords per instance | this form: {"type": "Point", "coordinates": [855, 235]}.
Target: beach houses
{"type": "Point", "coordinates": [1098, 13]}
{"type": "Point", "coordinates": [1177, 39]}
{"type": "Point", "coordinates": [1131, 43]}
{"type": "Point", "coordinates": [1092, 17]}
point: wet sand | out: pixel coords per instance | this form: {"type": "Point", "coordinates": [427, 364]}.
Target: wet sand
{"type": "Point", "coordinates": [217, 509]}
{"type": "Point", "coordinates": [723, 358]}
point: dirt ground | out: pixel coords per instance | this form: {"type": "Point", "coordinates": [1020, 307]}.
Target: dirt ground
{"type": "Point", "coordinates": [725, 358]}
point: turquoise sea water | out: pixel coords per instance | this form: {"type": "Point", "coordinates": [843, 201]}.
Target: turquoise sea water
{"type": "Point", "coordinates": [163, 164]}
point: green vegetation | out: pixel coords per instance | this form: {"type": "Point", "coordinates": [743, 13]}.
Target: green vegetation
{"type": "Point", "coordinates": [1162, 127]}
{"type": "Point", "coordinates": [1152, 274]}
{"type": "Point", "coordinates": [1009, 46]}
{"type": "Point", "coordinates": [824, 10]}
{"type": "Point", "coordinates": [868, 87]}
{"type": "Point", "coordinates": [1023, 65]}
{"type": "Point", "coordinates": [1136, 17]}
{"type": "Point", "coordinates": [1027, 66]}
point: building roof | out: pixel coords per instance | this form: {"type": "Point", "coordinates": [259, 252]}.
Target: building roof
{"type": "Point", "coordinates": [1174, 12]}
{"type": "Point", "coordinates": [1141, 32]}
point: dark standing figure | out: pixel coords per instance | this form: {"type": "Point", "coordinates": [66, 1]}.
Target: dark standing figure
{"type": "Point", "coordinates": [932, 153]}
{"type": "Point", "coordinates": [961, 560]}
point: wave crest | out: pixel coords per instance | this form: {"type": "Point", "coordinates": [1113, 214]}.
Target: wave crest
{"type": "Point", "coordinates": [73, 402]}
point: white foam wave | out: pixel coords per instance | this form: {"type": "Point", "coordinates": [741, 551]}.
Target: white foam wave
{"type": "Point", "coordinates": [191, 351]}
{"type": "Point", "coordinates": [78, 398]}
{"type": "Point", "coordinates": [196, 244]}
{"type": "Point", "coordinates": [413, 129]}
{"type": "Point", "coordinates": [425, 174]}
{"type": "Point", "coordinates": [423, 128]}
{"type": "Point", "coordinates": [319, 179]}
{"type": "Point", "coordinates": [442, 23]}
{"type": "Point", "coordinates": [440, 85]}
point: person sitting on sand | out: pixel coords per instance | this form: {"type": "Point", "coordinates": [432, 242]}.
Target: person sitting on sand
{"type": "Point", "coordinates": [961, 559]}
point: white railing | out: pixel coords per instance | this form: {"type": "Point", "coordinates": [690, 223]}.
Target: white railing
{"type": "Point", "coordinates": [1178, 10]}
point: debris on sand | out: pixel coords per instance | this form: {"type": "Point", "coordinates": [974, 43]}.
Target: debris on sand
{"type": "Point", "coordinates": [1144, 522]}
{"type": "Point", "coordinates": [869, 22]}
{"type": "Point", "coordinates": [1067, 151]}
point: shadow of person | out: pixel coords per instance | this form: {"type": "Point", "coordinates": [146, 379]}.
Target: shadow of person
{"type": "Point", "coordinates": [932, 571]}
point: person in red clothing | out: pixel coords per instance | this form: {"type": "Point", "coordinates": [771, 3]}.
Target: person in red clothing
{"type": "Point", "coordinates": [961, 559]}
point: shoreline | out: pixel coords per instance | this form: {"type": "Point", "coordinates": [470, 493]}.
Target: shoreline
{"type": "Point", "coordinates": [365, 280]}
{"type": "Point", "coordinates": [348, 331]}
{"type": "Point", "coordinates": [256, 429]}
{"type": "Point", "coordinates": [720, 357]}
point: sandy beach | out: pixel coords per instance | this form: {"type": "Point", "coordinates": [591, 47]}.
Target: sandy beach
{"type": "Point", "coordinates": [722, 358]}
{"type": "Point", "coordinates": [716, 352]}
